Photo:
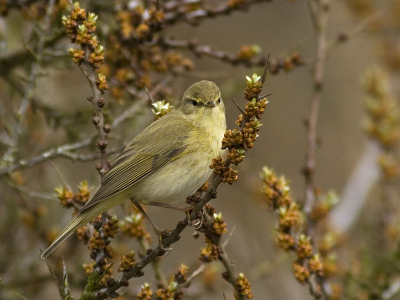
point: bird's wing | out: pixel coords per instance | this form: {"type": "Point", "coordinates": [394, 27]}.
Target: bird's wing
{"type": "Point", "coordinates": [158, 144]}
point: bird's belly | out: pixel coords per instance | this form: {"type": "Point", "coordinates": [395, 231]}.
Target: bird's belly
{"type": "Point", "coordinates": [175, 181]}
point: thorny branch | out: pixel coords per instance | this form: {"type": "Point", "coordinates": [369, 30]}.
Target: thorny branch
{"type": "Point", "coordinates": [173, 237]}
{"type": "Point", "coordinates": [195, 213]}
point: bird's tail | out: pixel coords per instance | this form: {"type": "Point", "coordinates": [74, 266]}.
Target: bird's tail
{"type": "Point", "coordinates": [80, 219]}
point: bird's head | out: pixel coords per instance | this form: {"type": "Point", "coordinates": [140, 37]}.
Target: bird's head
{"type": "Point", "coordinates": [203, 99]}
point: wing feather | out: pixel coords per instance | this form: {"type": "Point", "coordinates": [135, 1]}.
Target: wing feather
{"type": "Point", "coordinates": [158, 144]}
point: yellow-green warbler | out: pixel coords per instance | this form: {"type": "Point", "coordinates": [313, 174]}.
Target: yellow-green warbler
{"type": "Point", "coordinates": [168, 160]}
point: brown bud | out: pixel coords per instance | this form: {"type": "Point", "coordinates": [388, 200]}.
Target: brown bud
{"type": "Point", "coordinates": [181, 224]}
{"type": "Point", "coordinates": [93, 255]}
{"type": "Point", "coordinates": [124, 282]}
{"type": "Point", "coordinates": [110, 281]}
{"type": "Point", "coordinates": [102, 145]}
{"type": "Point", "coordinates": [100, 102]}
{"type": "Point", "coordinates": [107, 128]}
{"type": "Point", "coordinates": [97, 223]}
{"type": "Point", "coordinates": [95, 120]}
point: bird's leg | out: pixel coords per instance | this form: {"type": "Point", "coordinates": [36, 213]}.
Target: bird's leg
{"type": "Point", "coordinates": [157, 231]}
{"type": "Point", "coordinates": [186, 209]}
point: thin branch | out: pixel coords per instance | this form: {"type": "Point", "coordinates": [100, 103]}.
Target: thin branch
{"type": "Point", "coordinates": [61, 151]}
{"type": "Point", "coordinates": [238, 106]}
{"type": "Point", "coordinates": [321, 35]}
{"type": "Point", "coordinates": [23, 108]}
{"type": "Point", "coordinates": [171, 239]}
{"type": "Point", "coordinates": [98, 103]}
{"type": "Point", "coordinates": [195, 17]}
{"type": "Point", "coordinates": [229, 274]}
{"type": "Point", "coordinates": [320, 13]}
{"type": "Point", "coordinates": [174, 235]}
{"type": "Point", "coordinates": [148, 93]}
{"type": "Point", "coordinates": [189, 280]}
{"type": "Point", "coordinates": [65, 150]}
{"type": "Point", "coordinates": [29, 193]}
{"type": "Point", "coordinates": [8, 61]}
{"type": "Point", "coordinates": [155, 264]}
{"type": "Point", "coordinates": [359, 28]}
{"type": "Point", "coordinates": [205, 50]}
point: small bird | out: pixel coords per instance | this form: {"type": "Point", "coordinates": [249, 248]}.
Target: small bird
{"type": "Point", "coordinates": [169, 160]}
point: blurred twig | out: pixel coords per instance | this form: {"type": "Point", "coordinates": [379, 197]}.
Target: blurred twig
{"type": "Point", "coordinates": [356, 190]}
{"type": "Point", "coordinates": [22, 110]}
{"type": "Point", "coordinates": [319, 10]}
{"type": "Point", "coordinates": [195, 17]}
{"type": "Point", "coordinates": [319, 13]}
{"type": "Point", "coordinates": [31, 194]}
{"type": "Point", "coordinates": [155, 263]}
{"type": "Point", "coordinates": [195, 273]}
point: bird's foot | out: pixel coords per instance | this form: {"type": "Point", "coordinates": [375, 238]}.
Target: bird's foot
{"type": "Point", "coordinates": [162, 235]}
{"type": "Point", "coordinates": [198, 221]}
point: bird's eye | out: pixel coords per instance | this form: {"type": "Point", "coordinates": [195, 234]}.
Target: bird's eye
{"type": "Point", "coordinates": [195, 103]}
{"type": "Point", "coordinates": [219, 100]}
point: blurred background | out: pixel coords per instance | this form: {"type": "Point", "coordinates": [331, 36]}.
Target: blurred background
{"type": "Point", "coordinates": [361, 34]}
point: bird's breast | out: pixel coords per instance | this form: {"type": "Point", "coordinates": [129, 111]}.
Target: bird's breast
{"type": "Point", "coordinates": [182, 176]}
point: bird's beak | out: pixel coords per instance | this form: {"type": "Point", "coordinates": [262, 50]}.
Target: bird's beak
{"type": "Point", "coordinates": [210, 104]}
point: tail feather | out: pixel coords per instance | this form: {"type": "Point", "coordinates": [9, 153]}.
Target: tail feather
{"type": "Point", "coordinates": [88, 213]}
{"type": "Point", "coordinates": [81, 219]}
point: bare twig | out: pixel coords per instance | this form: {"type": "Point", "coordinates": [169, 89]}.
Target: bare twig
{"type": "Point", "coordinates": [172, 238]}
{"type": "Point", "coordinates": [355, 192]}
{"type": "Point", "coordinates": [31, 194]}
{"type": "Point", "coordinates": [205, 50]}
{"type": "Point", "coordinates": [22, 110]}
{"type": "Point", "coordinates": [177, 11]}
{"type": "Point", "coordinates": [98, 120]}
{"type": "Point", "coordinates": [155, 265]}
{"type": "Point", "coordinates": [148, 93]}
{"type": "Point", "coordinates": [66, 151]}
{"type": "Point", "coordinates": [61, 151]}
{"type": "Point", "coordinates": [320, 12]}
{"type": "Point", "coordinates": [195, 273]}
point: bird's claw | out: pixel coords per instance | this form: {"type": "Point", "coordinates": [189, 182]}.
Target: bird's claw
{"type": "Point", "coordinates": [166, 250]}
{"type": "Point", "coordinates": [195, 223]}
